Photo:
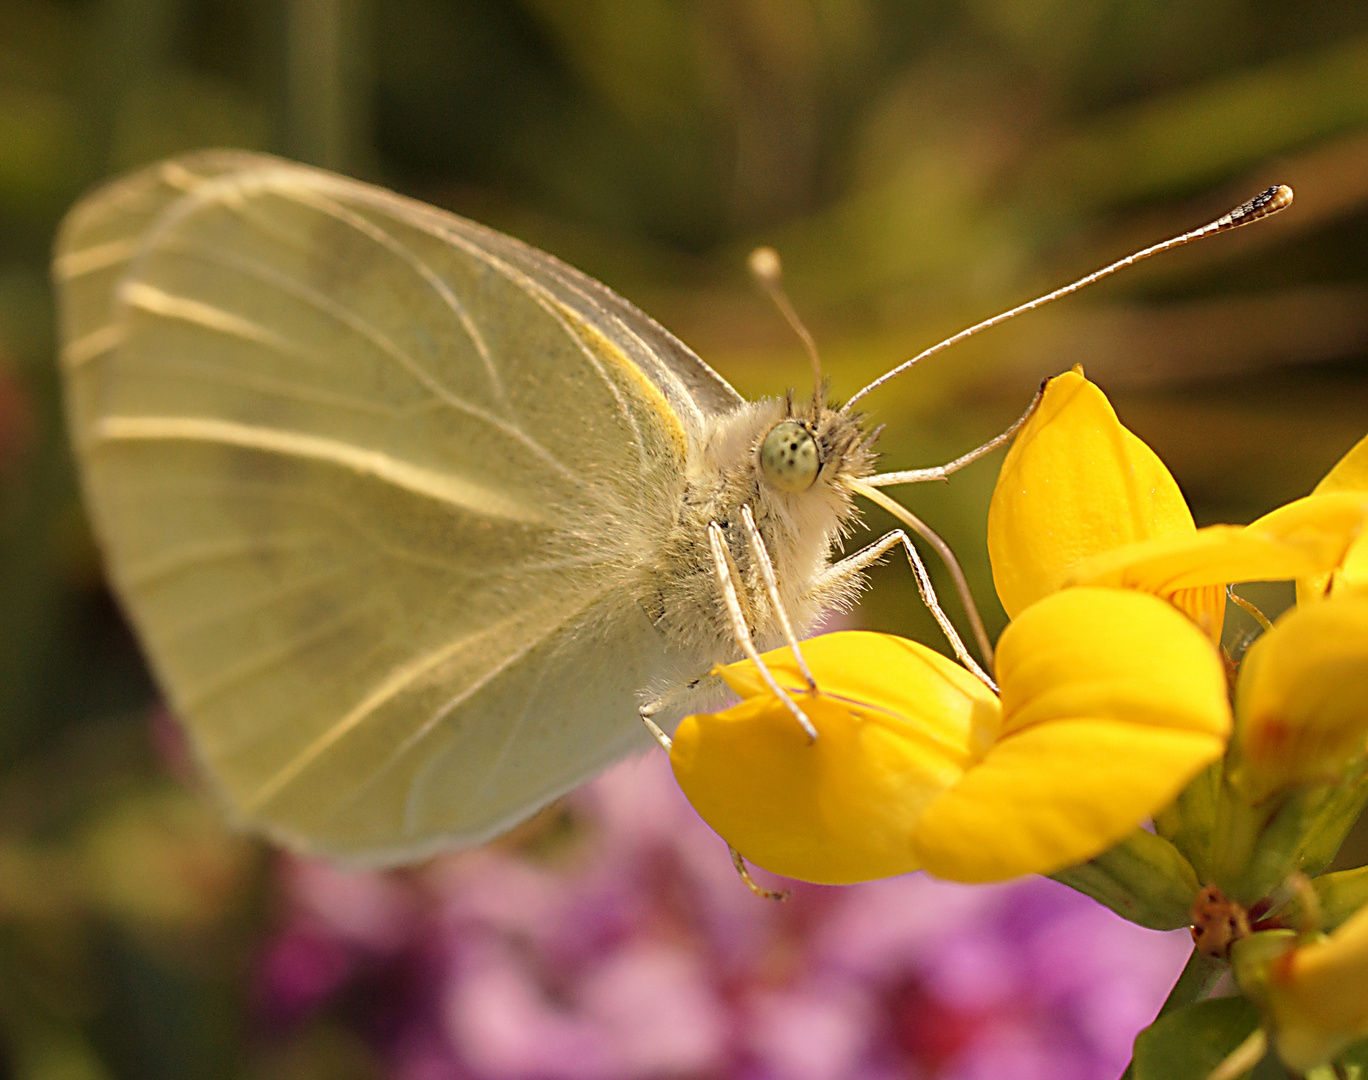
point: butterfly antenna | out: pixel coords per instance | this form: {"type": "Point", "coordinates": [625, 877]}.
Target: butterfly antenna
{"type": "Point", "coordinates": [766, 268]}
{"type": "Point", "coordinates": [1265, 204]}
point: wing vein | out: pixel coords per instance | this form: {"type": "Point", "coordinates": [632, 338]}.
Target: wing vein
{"type": "Point", "coordinates": [203, 618]}
{"type": "Point", "coordinates": [393, 684]}
{"type": "Point", "coordinates": [455, 491]}
{"type": "Point", "coordinates": [93, 345]}
{"type": "Point", "coordinates": [378, 235]}
{"type": "Point", "coordinates": [178, 560]}
{"type": "Point", "coordinates": [332, 309]}
{"type": "Point", "coordinates": [73, 264]}
{"type": "Point", "coordinates": [552, 307]}
{"type": "Point", "coordinates": [438, 715]}
{"type": "Point", "coordinates": [156, 301]}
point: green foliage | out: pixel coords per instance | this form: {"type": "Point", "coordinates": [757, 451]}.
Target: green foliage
{"type": "Point", "coordinates": [1144, 879]}
{"type": "Point", "coordinates": [1188, 1043]}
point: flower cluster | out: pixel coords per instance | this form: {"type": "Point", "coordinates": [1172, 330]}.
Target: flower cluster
{"type": "Point", "coordinates": [613, 941]}
{"type": "Point", "coordinates": [1115, 705]}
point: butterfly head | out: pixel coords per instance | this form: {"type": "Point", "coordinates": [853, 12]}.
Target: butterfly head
{"type": "Point", "coordinates": [811, 453]}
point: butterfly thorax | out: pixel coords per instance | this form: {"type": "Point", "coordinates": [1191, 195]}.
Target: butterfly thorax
{"type": "Point", "coordinates": [800, 529]}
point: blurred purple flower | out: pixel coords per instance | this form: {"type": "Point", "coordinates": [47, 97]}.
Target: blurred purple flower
{"type": "Point", "coordinates": [631, 950]}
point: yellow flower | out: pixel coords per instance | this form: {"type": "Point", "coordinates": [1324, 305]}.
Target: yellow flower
{"type": "Point", "coordinates": [1113, 695]}
{"type": "Point", "coordinates": [1082, 501]}
{"type": "Point", "coordinates": [1314, 996]}
{"type": "Point", "coordinates": [1336, 508]}
{"type": "Point", "coordinates": [1301, 705]}
{"type": "Point", "coordinates": [1111, 702]}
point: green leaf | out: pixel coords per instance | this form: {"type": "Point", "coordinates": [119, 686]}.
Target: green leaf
{"type": "Point", "coordinates": [1188, 1043]}
{"type": "Point", "coordinates": [1144, 878]}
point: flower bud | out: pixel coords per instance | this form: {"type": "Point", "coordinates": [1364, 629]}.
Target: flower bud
{"type": "Point", "coordinates": [1315, 995]}
{"type": "Point", "coordinates": [1301, 707]}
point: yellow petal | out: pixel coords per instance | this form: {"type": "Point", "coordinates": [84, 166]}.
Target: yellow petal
{"type": "Point", "coordinates": [878, 672]}
{"type": "Point", "coordinates": [1318, 995]}
{"type": "Point", "coordinates": [1190, 570]}
{"type": "Point", "coordinates": [1056, 795]}
{"type": "Point", "coordinates": [1216, 555]}
{"type": "Point", "coordinates": [839, 809]}
{"type": "Point", "coordinates": [1075, 484]}
{"type": "Point", "coordinates": [1110, 654]}
{"type": "Point", "coordinates": [1350, 473]}
{"type": "Point", "coordinates": [1112, 702]}
{"type": "Point", "coordinates": [1329, 526]}
{"type": "Point", "coordinates": [1351, 579]}
{"type": "Point", "coordinates": [1302, 701]}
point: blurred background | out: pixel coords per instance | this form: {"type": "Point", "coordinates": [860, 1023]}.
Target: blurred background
{"type": "Point", "coordinates": [919, 165]}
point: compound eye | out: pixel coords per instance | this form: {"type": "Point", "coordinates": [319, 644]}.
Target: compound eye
{"type": "Point", "coordinates": [789, 458]}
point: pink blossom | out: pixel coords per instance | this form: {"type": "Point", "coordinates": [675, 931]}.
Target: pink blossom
{"type": "Point", "coordinates": [630, 949]}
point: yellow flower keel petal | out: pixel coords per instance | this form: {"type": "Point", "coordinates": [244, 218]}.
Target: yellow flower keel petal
{"type": "Point", "coordinates": [1351, 578]}
{"type": "Point", "coordinates": [897, 723]}
{"type": "Point", "coordinates": [1112, 701]}
{"type": "Point", "coordinates": [1191, 570]}
{"type": "Point", "coordinates": [832, 811]}
{"type": "Point", "coordinates": [1055, 795]}
{"type": "Point", "coordinates": [1313, 990]}
{"type": "Point", "coordinates": [1110, 654]}
{"type": "Point", "coordinates": [1320, 996]}
{"type": "Point", "coordinates": [1329, 527]}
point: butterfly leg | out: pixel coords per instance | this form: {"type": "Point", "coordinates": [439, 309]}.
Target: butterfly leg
{"type": "Point", "coordinates": [722, 564]}
{"type": "Point", "coordinates": [762, 559]}
{"type": "Point", "coordinates": [841, 574]}
{"type": "Point", "coordinates": [903, 514]}
{"type": "Point", "coordinates": [657, 732]}
{"type": "Point", "coordinates": [739, 861]}
{"type": "Point", "coordinates": [943, 472]}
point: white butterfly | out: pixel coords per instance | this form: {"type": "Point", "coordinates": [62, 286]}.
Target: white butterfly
{"type": "Point", "coordinates": [413, 519]}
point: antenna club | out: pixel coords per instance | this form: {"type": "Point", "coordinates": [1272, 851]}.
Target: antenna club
{"type": "Point", "coordinates": [765, 266]}
{"type": "Point", "coordinates": [1265, 204]}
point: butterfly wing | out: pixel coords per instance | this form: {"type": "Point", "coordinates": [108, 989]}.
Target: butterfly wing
{"type": "Point", "coordinates": [694, 389]}
{"type": "Point", "coordinates": [375, 488]}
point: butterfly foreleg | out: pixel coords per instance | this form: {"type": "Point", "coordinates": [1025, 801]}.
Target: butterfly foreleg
{"type": "Point", "coordinates": [839, 576]}
{"type": "Point", "coordinates": [944, 472]}
{"type": "Point", "coordinates": [761, 555]}
{"type": "Point", "coordinates": [726, 580]}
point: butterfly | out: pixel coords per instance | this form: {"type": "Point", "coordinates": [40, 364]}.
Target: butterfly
{"type": "Point", "coordinates": [415, 522]}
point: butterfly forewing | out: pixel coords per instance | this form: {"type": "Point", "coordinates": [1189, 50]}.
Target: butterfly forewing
{"type": "Point", "coordinates": [375, 494]}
